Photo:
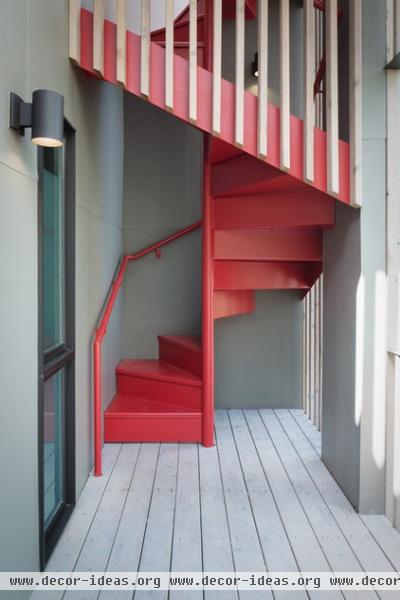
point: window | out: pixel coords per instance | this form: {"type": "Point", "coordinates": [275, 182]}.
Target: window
{"type": "Point", "coordinates": [56, 339]}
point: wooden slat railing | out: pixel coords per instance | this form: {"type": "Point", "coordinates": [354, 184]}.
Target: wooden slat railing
{"type": "Point", "coordinates": [98, 36]}
{"type": "Point", "coordinates": [121, 41]}
{"type": "Point", "coordinates": [169, 54]}
{"type": "Point", "coordinates": [312, 352]}
{"type": "Point", "coordinates": [332, 96]}
{"type": "Point", "coordinates": [145, 49]}
{"type": "Point", "coordinates": [193, 60]}
{"type": "Point", "coordinates": [239, 73]}
{"type": "Point", "coordinates": [262, 137]}
{"type": "Point", "coordinates": [75, 31]}
{"type": "Point", "coordinates": [217, 62]}
{"type": "Point", "coordinates": [321, 22]}
{"type": "Point", "coordinates": [309, 78]}
{"type": "Point", "coordinates": [284, 29]}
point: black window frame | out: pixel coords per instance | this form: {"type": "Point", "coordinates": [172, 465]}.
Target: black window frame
{"type": "Point", "coordinates": [62, 356]}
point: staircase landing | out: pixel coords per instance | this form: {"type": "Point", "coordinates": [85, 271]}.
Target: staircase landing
{"type": "Point", "coordinates": [256, 500]}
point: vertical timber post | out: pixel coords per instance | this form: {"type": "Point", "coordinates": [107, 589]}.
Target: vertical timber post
{"type": "Point", "coordinates": [207, 265]}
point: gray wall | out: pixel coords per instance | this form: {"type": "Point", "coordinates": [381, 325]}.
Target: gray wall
{"type": "Point", "coordinates": [33, 54]}
{"type": "Point", "coordinates": [162, 194]}
{"type": "Point", "coordinates": [258, 356]}
{"type": "Point", "coordinates": [340, 431]}
{"type": "Point", "coordinates": [354, 302]}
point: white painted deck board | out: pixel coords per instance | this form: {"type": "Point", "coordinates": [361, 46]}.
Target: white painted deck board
{"type": "Point", "coordinates": [273, 538]}
{"type": "Point", "coordinates": [296, 523]}
{"type": "Point", "coordinates": [361, 541]}
{"type": "Point", "coordinates": [125, 554]}
{"type": "Point", "coordinates": [186, 546]}
{"type": "Point", "coordinates": [157, 543]}
{"type": "Point", "coordinates": [338, 554]}
{"type": "Point", "coordinates": [247, 550]}
{"type": "Point", "coordinates": [260, 499]}
{"type": "Point", "coordinates": [217, 547]}
{"type": "Point", "coordinates": [95, 552]}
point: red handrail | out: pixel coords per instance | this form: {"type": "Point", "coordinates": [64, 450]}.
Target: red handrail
{"type": "Point", "coordinates": [101, 331]}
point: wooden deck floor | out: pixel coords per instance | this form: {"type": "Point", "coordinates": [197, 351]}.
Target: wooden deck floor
{"type": "Point", "coordinates": [260, 499]}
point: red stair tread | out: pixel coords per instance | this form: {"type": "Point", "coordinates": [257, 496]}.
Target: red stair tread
{"type": "Point", "coordinates": [188, 342]}
{"type": "Point", "coordinates": [157, 369]}
{"type": "Point", "coordinates": [124, 404]}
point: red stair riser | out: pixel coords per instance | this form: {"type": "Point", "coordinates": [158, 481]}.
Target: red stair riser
{"type": "Point", "coordinates": [238, 275]}
{"type": "Point", "coordinates": [285, 210]}
{"type": "Point", "coordinates": [152, 428]}
{"type": "Point", "coordinates": [268, 245]}
{"type": "Point", "coordinates": [181, 357]}
{"type": "Point", "coordinates": [204, 94]}
{"type": "Point", "coordinates": [187, 396]}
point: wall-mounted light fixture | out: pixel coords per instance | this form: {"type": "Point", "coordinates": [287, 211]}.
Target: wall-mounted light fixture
{"type": "Point", "coordinates": [254, 65]}
{"type": "Point", "coordinates": [45, 115]}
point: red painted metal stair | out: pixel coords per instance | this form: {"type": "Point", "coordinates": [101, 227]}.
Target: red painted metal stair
{"type": "Point", "coordinates": [264, 231]}
{"type": "Point", "coordinates": [158, 400]}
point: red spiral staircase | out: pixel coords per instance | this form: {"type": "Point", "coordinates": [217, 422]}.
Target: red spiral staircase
{"type": "Point", "coordinates": [262, 231]}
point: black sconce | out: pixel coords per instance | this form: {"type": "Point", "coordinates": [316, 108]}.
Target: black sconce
{"type": "Point", "coordinates": [45, 115]}
{"type": "Point", "coordinates": [254, 65]}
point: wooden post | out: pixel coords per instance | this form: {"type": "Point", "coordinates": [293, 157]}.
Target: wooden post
{"type": "Point", "coordinates": [309, 77]}
{"type": "Point", "coordinates": [262, 138]}
{"type": "Point", "coordinates": [145, 50]}
{"type": "Point", "coordinates": [75, 31]}
{"type": "Point", "coordinates": [239, 74]}
{"type": "Point", "coordinates": [355, 25]}
{"type": "Point", "coordinates": [285, 83]}
{"type": "Point", "coordinates": [169, 54]}
{"type": "Point", "coordinates": [193, 60]}
{"type": "Point", "coordinates": [98, 36]}
{"type": "Point", "coordinates": [307, 353]}
{"type": "Point", "coordinates": [216, 71]}
{"type": "Point", "coordinates": [121, 42]}
{"type": "Point", "coordinates": [332, 97]}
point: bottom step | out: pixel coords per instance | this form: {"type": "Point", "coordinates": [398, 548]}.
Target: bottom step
{"type": "Point", "coordinates": [130, 419]}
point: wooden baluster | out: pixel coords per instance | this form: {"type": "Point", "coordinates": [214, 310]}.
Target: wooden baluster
{"type": "Point", "coordinates": [169, 54]}
{"type": "Point", "coordinates": [309, 77]}
{"type": "Point", "coordinates": [193, 60]}
{"type": "Point", "coordinates": [332, 96]}
{"type": "Point", "coordinates": [145, 49]}
{"type": "Point", "coordinates": [312, 353]}
{"type": "Point", "coordinates": [355, 24]}
{"type": "Point", "coordinates": [285, 82]}
{"type": "Point", "coordinates": [304, 345]}
{"type": "Point", "coordinates": [262, 137]}
{"type": "Point", "coordinates": [98, 36]}
{"type": "Point", "coordinates": [307, 353]}
{"type": "Point", "coordinates": [121, 42]}
{"type": "Point", "coordinates": [239, 74]}
{"type": "Point", "coordinates": [217, 61]}
{"type": "Point", "coordinates": [75, 31]}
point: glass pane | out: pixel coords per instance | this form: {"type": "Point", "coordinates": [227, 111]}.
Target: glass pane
{"type": "Point", "coordinates": [53, 247]}
{"type": "Point", "coordinates": [53, 445]}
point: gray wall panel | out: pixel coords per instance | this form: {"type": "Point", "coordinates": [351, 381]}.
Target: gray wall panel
{"type": "Point", "coordinates": [258, 356]}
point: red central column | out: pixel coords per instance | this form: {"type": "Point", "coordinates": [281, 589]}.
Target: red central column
{"type": "Point", "coordinates": [208, 301]}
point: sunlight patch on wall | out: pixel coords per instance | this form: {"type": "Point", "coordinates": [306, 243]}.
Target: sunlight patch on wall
{"type": "Point", "coordinates": [379, 381]}
{"type": "Point", "coordinates": [359, 350]}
